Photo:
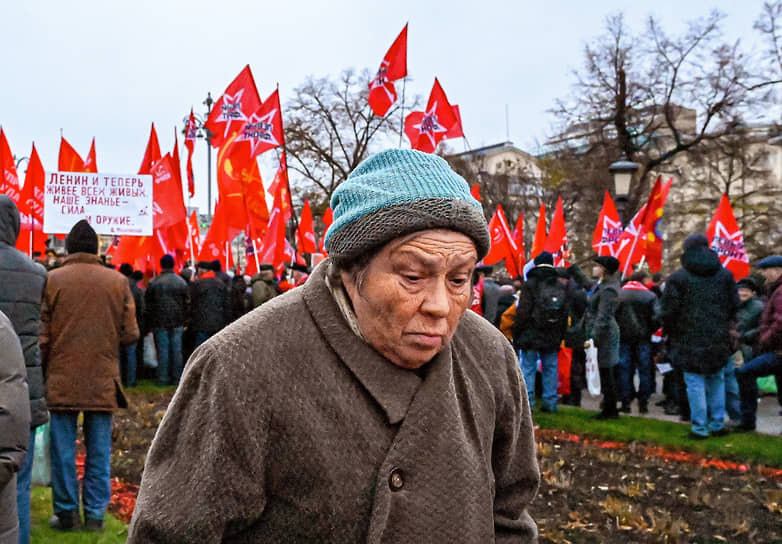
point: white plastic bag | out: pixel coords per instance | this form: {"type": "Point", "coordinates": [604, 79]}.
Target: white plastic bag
{"type": "Point", "coordinates": [592, 370]}
{"type": "Point", "coordinates": [42, 464]}
{"type": "Point", "coordinates": [150, 354]}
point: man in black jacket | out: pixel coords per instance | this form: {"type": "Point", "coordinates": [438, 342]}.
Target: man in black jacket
{"type": "Point", "coordinates": [166, 304]}
{"type": "Point", "coordinates": [22, 283]}
{"type": "Point", "coordinates": [637, 316]}
{"type": "Point", "coordinates": [128, 358]}
{"type": "Point", "coordinates": [698, 305]}
{"type": "Point", "coordinates": [210, 303]}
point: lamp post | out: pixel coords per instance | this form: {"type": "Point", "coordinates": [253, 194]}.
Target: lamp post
{"type": "Point", "coordinates": [622, 170]}
{"type": "Point", "coordinates": [206, 134]}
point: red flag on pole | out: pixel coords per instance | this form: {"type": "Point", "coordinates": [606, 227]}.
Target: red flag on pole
{"type": "Point", "coordinates": [557, 243]}
{"type": "Point", "coordinates": [426, 129]}
{"type": "Point", "coordinates": [168, 205]}
{"type": "Point", "coordinates": [190, 138]}
{"type": "Point", "coordinates": [217, 238]}
{"type": "Point", "coordinates": [255, 201]}
{"type": "Point", "coordinates": [652, 224]}
{"type": "Point", "coordinates": [233, 108]}
{"type": "Point", "coordinates": [91, 162]}
{"type": "Point", "coordinates": [305, 235]}
{"type": "Point", "coordinates": [328, 219]}
{"type": "Point", "coordinates": [382, 93]}
{"type": "Point", "coordinates": [31, 237]}
{"type": "Point", "coordinates": [539, 242]}
{"type": "Point", "coordinates": [502, 244]}
{"type": "Point", "coordinates": [263, 129]}
{"type": "Point", "coordinates": [151, 153]}
{"type": "Point", "coordinates": [68, 159]}
{"type": "Point", "coordinates": [518, 238]}
{"type": "Point", "coordinates": [630, 248]}
{"type": "Point", "coordinates": [280, 182]}
{"type": "Point", "coordinates": [475, 191]}
{"type": "Point", "coordinates": [9, 184]}
{"type": "Point", "coordinates": [456, 131]}
{"type": "Point", "coordinates": [274, 240]}
{"type": "Point", "coordinates": [608, 229]}
{"type": "Point", "coordinates": [726, 240]}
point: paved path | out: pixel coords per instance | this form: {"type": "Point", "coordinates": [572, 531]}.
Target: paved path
{"type": "Point", "coordinates": [769, 421]}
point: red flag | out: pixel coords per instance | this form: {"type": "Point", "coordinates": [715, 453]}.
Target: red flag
{"type": "Point", "coordinates": [176, 160]}
{"type": "Point", "coordinates": [230, 165]}
{"type": "Point", "coordinates": [726, 240]}
{"type": "Point", "coordinates": [539, 243]}
{"type": "Point", "coordinates": [328, 219]}
{"type": "Point", "coordinates": [263, 129]}
{"type": "Point", "coordinates": [190, 138]}
{"type": "Point", "coordinates": [31, 200]}
{"type": "Point", "coordinates": [69, 160]}
{"type": "Point", "coordinates": [475, 191]}
{"type": "Point", "coordinates": [382, 93]}
{"type": "Point", "coordinates": [305, 235]}
{"type": "Point", "coordinates": [151, 153]}
{"type": "Point", "coordinates": [233, 108]}
{"type": "Point", "coordinates": [652, 224]}
{"type": "Point", "coordinates": [630, 248]}
{"type": "Point", "coordinates": [280, 182]}
{"type": "Point", "coordinates": [502, 244]}
{"type": "Point", "coordinates": [193, 237]}
{"type": "Point", "coordinates": [274, 250]}
{"type": "Point", "coordinates": [9, 184]}
{"type": "Point", "coordinates": [168, 206]}
{"type": "Point", "coordinates": [456, 131]}
{"type": "Point", "coordinates": [255, 201]}
{"type": "Point", "coordinates": [556, 243]}
{"type": "Point", "coordinates": [426, 129]}
{"type": "Point", "coordinates": [217, 239]}
{"type": "Point", "coordinates": [91, 162]}
{"type": "Point", "coordinates": [608, 229]}
{"type": "Point", "coordinates": [518, 238]}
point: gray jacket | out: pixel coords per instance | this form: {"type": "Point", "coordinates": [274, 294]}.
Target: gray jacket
{"type": "Point", "coordinates": [14, 424]}
{"type": "Point", "coordinates": [22, 284]}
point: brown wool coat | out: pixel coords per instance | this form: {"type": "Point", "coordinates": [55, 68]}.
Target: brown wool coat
{"type": "Point", "coordinates": [87, 312]}
{"type": "Point", "coordinates": [307, 434]}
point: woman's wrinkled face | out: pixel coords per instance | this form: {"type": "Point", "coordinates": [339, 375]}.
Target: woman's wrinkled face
{"type": "Point", "coordinates": [413, 293]}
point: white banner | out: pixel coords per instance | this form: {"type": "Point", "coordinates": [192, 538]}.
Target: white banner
{"type": "Point", "coordinates": [112, 203]}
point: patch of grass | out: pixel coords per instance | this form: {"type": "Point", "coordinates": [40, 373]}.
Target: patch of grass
{"type": "Point", "coordinates": [752, 448]}
{"type": "Point", "coordinates": [149, 387]}
{"type": "Point", "coordinates": [114, 532]}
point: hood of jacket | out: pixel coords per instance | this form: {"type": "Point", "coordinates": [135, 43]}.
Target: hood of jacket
{"type": "Point", "coordinates": [9, 220]}
{"type": "Point", "coordinates": [701, 261]}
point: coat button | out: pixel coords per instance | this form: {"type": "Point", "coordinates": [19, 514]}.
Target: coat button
{"type": "Point", "coordinates": [396, 480]}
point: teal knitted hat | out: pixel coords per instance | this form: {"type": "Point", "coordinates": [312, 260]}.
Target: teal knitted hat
{"type": "Point", "coordinates": [397, 192]}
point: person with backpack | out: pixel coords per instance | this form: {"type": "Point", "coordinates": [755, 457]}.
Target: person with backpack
{"type": "Point", "coordinates": [539, 327]}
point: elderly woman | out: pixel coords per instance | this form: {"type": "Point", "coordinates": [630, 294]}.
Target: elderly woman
{"type": "Point", "coordinates": [366, 405]}
{"type": "Point", "coordinates": [604, 330]}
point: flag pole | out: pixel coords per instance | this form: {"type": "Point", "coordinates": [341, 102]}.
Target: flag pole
{"type": "Point", "coordinates": [632, 250]}
{"type": "Point", "coordinates": [402, 112]}
{"type": "Point", "coordinates": [255, 254]}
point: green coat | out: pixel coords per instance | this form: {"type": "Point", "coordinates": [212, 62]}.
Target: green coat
{"type": "Point", "coordinates": [287, 427]}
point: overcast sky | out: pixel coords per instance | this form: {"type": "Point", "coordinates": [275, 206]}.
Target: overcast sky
{"type": "Point", "coordinates": [108, 69]}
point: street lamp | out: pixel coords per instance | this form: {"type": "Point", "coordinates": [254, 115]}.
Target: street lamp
{"type": "Point", "coordinates": [203, 132]}
{"type": "Point", "coordinates": [622, 170]}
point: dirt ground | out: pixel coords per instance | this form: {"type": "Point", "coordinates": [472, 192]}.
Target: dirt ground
{"type": "Point", "coordinates": [591, 491]}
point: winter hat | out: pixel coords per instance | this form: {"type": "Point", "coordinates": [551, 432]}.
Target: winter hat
{"type": "Point", "coordinates": [82, 239]}
{"type": "Point", "coordinates": [695, 240]}
{"type": "Point", "coordinates": [398, 192]}
{"type": "Point", "coordinates": [167, 262]}
{"type": "Point", "coordinates": [544, 259]}
{"type": "Point", "coordinates": [772, 261]}
{"type": "Point", "coordinates": [748, 283]}
{"type": "Point", "coordinates": [611, 264]}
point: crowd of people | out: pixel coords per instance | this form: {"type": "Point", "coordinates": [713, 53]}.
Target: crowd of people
{"type": "Point", "coordinates": [390, 354]}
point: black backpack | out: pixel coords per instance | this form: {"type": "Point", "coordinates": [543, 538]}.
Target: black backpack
{"type": "Point", "coordinates": [550, 306]}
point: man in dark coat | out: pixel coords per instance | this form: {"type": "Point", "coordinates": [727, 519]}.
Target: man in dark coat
{"type": "Point", "coordinates": [539, 327]}
{"type": "Point", "coordinates": [210, 304]}
{"type": "Point", "coordinates": [637, 317]}
{"type": "Point", "coordinates": [14, 428]}
{"type": "Point", "coordinates": [22, 284]}
{"type": "Point", "coordinates": [698, 307]}
{"type": "Point", "coordinates": [87, 314]}
{"type": "Point", "coordinates": [128, 358]}
{"type": "Point", "coordinates": [166, 305]}
{"type": "Point", "coordinates": [263, 285]}
{"type": "Point", "coordinates": [376, 409]}
{"type": "Point", "coordinates": [768, 360]}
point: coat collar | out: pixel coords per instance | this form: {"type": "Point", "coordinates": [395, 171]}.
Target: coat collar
{"type": "Point", "coordinates": [392, 387]}
{"type": "Point", "coordinates": [81, 257]}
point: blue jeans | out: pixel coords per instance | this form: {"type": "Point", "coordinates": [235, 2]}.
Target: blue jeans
{"type": "Point", "coordinates": [128, 364]}
{"type": "Point", "coordinates": [634, 357]}
{"type": "Point", "coordinates": [200, 338]}
{"type": "Point", "coordinates": [96, 492]}
{"type": "Point", "coordinates": [732, 396]}
{"type": "Point", "coordinates": [549, 373]}
{"type": "Point", "coordinates": [169, 354]}
{"type": "Point", "coordinates": [747, 375]}
{"type": "Point", "coordinates": [23, 480]}
{"type": "Point", "coordinates": [706, 394]}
